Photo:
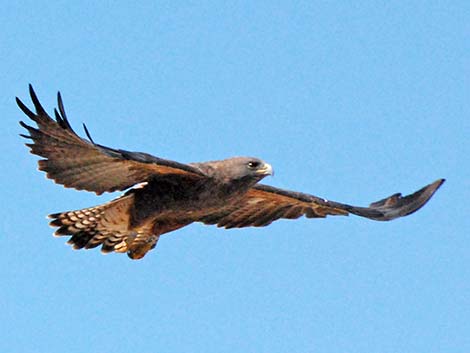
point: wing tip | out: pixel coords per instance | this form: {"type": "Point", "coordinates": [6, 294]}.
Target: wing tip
{"type": "Point", "coordinates": [404, 206]}
{"type": "Point", "coordinates": [35, 100]}
{"type": "Point", "coordinates": [429, 190]}
{"type": "Point", "coordinates": [396, 205]}
{"type": "Point", "coordinates": [88, 134]}
{"type": "Point", "coordinates": [437, 184]}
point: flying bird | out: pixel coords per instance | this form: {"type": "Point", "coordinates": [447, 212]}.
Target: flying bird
{"type": "Point", "coordinates": [162, 195]}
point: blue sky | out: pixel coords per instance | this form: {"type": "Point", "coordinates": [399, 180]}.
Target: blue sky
{"type": "Point", "coordinates": [350, 102]}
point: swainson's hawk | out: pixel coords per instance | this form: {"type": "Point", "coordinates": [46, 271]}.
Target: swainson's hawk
{"type": "Point", "coordinates": [164, 195]}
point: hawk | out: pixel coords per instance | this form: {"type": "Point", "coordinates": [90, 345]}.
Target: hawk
{"type": "Point", "coordinates": [162, 195]}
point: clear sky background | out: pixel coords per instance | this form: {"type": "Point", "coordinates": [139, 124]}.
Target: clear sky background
{"type": "Point", "coordinates": [348, 101]}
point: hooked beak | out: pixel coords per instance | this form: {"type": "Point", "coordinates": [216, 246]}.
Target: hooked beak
{"type": "Point", "coordinates": [267, 169]}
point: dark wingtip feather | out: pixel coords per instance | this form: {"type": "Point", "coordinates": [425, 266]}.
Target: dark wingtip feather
{"type": "Point", "coordinates": [422, 196]}
{"type": "Point", "coordinates": [63, 115]}
{"type": "Point", "coordinates": [19, 102]}
{"type": "Point", "coordinates": [29, 128]}
{"type": "Point", "coordinates": [60, 104]}
{"type": "Point", "coordinates": [23, 124]}
{"type": "Point", "coordinates": [25, 109]}
{"type": "Point", "coordinates": [39, 109]}
{"type": "Point", "coordinates": [58, 118]}
{"type": "Point", "coordinates": [397, 206]}
{"type": "Point", "coordinates": [88, 133]}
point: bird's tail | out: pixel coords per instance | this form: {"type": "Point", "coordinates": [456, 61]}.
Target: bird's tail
{"type": "Point", "coordinates": [107, 225]}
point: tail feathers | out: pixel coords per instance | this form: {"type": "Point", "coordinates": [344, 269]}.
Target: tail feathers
{"type": "Point", "coordinates": [86, 228]}
{"type": "Point", "coordinates": [106, 225]}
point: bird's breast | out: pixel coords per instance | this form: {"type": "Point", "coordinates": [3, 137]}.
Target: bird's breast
{"type": "Point", "coordinates": [180, 200]}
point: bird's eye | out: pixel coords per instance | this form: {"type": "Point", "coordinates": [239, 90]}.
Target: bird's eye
{"type": "Point", "coordinates": [253, 164]}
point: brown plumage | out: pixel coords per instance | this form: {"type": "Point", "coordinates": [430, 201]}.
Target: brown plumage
{"type": "Point", "coordinates": [164, 195]}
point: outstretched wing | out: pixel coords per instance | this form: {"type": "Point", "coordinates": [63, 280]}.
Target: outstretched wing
{"type": "Point", "coordinates": [81, 164]}
{"type": "Point", "coordinates": [264, 204]}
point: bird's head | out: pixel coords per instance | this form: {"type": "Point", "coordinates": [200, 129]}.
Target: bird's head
{"type": "Point", "coordinates": [243, 169]}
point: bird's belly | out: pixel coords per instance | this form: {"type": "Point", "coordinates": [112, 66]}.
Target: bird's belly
{"type": "Point", "coordinates": [187, 205]}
